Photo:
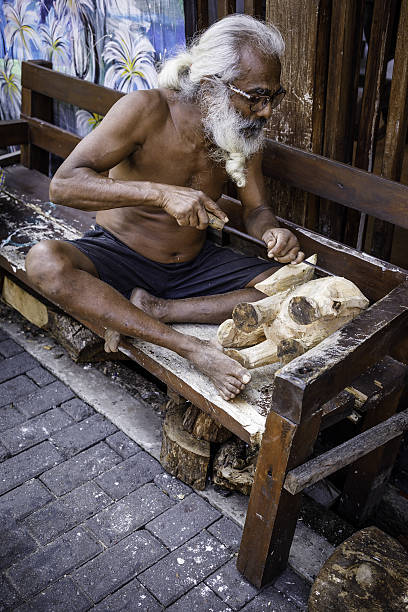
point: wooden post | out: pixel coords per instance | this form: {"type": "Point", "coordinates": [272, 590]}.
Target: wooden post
{"type": "Point", "coordinates": [36, 105]}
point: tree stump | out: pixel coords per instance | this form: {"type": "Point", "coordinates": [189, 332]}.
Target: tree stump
{"type": "Point", "coordinates": [368, 572]}
{"type": "Point", "coordinates": [182, 455]}
{"type": "Point", "coordinates": [203, 427]}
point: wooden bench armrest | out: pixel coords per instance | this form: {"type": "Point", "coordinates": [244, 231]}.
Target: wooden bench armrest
{"type": "Point", "coordinates": [303, 385]}
{"type": "Point", "coordinates": [13, 132]}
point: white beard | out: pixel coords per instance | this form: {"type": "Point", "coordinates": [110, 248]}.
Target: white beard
{"type": "Point", "coordinates": [236, 138]}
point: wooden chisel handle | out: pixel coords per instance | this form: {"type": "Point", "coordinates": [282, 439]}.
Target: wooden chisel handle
{"type": "Point", "coordinates": [214, 221]}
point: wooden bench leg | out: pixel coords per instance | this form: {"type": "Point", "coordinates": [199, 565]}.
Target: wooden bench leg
{"type": "Point", "coordinates": [272, 511]}
{"type": "Point", "coordinates": [367, 477]}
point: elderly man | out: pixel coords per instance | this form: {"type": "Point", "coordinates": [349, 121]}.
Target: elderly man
{"type": "Point", "coordinates": [169, 151]}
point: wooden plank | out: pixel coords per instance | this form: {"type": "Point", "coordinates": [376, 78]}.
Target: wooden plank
{"type": "Point", "coordinates": [9, 159]}
{"type": "Point", "coordinates": [27, 305]}
{"type": "Point", "coordinates": [338, 182]}
{"type": "Point", "coordinates": [345, 454]}
{"type": "Point", "coordinates": [254, 8]}
{"type": "Point", "coordinates": [397, 120]}
{"type": "Point", "coordinates": [292, 121]}
{"type": "Point", "coordinates": [225, 7]}
{"type": "Point", "coordinates": [89, 96]}
{"type": "Point", "coordinates": [310, 380]}
{"type": "Point", "coordinates": [51, 138]}
{"type": "Point", "coordinates": [13, 133]}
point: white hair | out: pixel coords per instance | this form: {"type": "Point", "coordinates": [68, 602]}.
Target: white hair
{"type": "Point", "coordinates": [217, 52]}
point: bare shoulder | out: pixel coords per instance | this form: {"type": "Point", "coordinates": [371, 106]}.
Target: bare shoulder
{"type": "Point", "coordinates": [136, 112]}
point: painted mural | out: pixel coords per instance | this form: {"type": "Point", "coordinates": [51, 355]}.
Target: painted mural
{"type": "Point", "coordinates": [116, 43]}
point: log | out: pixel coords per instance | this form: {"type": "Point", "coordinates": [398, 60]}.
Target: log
{"type": "Point", "coordinates": [288, 277]}
{"type": "Point", "coordinates": [248, 316]}
{"type": "Point", "coordinates": [182, 455]}
{"type": "Point", "coordinates": [229, 336]}
{"type": "Point", "coordinates": [203, 427]}
{"type": "Point", "coordinates": [368, 572]}
{"type": "Point", "coordinates": [256, 356]}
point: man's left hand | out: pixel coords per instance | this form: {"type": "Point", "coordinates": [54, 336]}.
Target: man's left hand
{"type": "Point", "coordinates": [282, 245]}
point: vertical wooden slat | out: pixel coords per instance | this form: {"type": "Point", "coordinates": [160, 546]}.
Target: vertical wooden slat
{"type": "Point", "coordinates": [294, 121]}
{"type": "Point", "coordinates": [225, 7]}
{"type": "Point", "coordinates": [397, 123]}
{"type": "Point", "coordinates": [254, 8]}
{"type": "Point", "coordinates": [190, 18]}
{"type": "Point", "coordinates": [202, 14]}
{"type": "Point", "coordinates": [36, 105]}
{"type": "Point", "coordinates": [346, 25]}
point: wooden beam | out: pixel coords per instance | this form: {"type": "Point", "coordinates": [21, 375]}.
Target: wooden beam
{"type": "Point", "coordinates": [89, 96]}
{"type": "Point", "coordinates": [344, 184]}
{"type": "Point", "coordinates": [348, 452]}
{"type": "Point", "coordinates": [47, 136]}
{"type": "Point", "coordinates": [13, 132]}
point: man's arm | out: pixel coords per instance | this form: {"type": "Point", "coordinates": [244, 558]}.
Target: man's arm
{"type": "Point", "coordinates": [79, 181]}
{"type": "Point", "coordinates": [260, 220]}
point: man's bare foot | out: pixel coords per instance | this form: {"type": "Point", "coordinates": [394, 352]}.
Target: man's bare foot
{"type": "Point", "coordinates": [228, 376]}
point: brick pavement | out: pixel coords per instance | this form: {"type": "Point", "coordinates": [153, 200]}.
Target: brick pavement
{"type": "Point", "coordinates": [91, 521]}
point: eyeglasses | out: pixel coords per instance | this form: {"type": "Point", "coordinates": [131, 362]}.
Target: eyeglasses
{"type": "Point", "coordinates": [257, 102]}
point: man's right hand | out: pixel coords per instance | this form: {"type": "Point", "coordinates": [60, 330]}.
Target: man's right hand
{"type": "Point", "coordinates": [189, 207]}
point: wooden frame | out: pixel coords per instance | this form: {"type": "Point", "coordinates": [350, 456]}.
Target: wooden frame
{"type": "Point", "coordinates": [303, 388]}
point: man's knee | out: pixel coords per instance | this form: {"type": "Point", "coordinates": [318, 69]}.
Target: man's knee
{"type": "Point", "coordinates": [47, 264]}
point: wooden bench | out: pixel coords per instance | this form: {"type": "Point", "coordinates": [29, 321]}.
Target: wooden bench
{"type": "Point", "coordinates": [309, 393]}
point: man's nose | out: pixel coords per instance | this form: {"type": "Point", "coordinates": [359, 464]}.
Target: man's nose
{"type": "Point", "coordinates": [265, 112]}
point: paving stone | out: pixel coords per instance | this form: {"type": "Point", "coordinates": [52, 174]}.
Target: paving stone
{"type": "Point", "coordinates": [127, 515]}
{"type": "Point", "coordinates": [8, 595]}
{"type": "Point", "coordinates": [184, 568]}
{"type": "Point", "coordinates": [27, 464]}
{"type": "Point", "coordinates": [231, 586]}
{"type": "Point", "coordinates": [117, 565]}
{"type": "Point", "coordinates": [227, 532]}
{"type": "Point", "coordinates": [294, 587]}
{"type": "Point", "coordinates": [129, 475]}
{"type": "Point", "coordinates": [10, 417]}
{"type": "Point", "coordinates": [183, 521]}
{"type": "Point", "coordinates": [66, 512]}
{"type": "Point", "coordinates": [34, 430]}
{"type": "Point", "coordinates": [3, 335]}
{"type": "Point", "coordinates": [122, 444]}
{"type": "Point", "coordinates": [133, 596]}
{"type": "Point", "coordinates": [17, 504]}
{"type": "Point", "coordinates": [16, 388]}
{"type": "Point", "coordinates": [36, 572]}
{"type": "Point", "coordinates": [41, 376]}
{"type": "Point", "coordinates": [63, 595]}
{"type": "Point", "coordinates": [199, 599]}
{"type": "Point", "coordinates": [9, 348]}
{"type": "Point", "coordinates": [13, 366]}
{"type": "Point", "coordinates": [269, 600]}
{"type": "Point", "coordinates": [171, 485]}
{"type": "Point", "coordinates": [82, 435]}
{"type": "Point", "coordinates": [45, 398]}
{"type": "Point", "coordinates": [4, 453]}
{"type": "Point", "coordinates": [77, 409]}
{"type": "Point", "coordinates": [77, 470]}
{"type": "Point", "coordinates": [16, 543]}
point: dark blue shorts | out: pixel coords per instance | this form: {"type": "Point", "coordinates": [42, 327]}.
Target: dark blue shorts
{"type": "Point", "coordinates": [214, 270]}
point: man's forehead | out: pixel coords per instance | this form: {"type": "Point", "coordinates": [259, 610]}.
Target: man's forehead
{"type": "Point", "coordinates": [258, 70]}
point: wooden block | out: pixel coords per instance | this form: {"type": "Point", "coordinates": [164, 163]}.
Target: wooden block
{"type": "Point", "coordinates": [32, 309]}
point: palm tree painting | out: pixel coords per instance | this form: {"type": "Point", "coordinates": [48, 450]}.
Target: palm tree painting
{"type": "Point", "coordinates": [116, 43]}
